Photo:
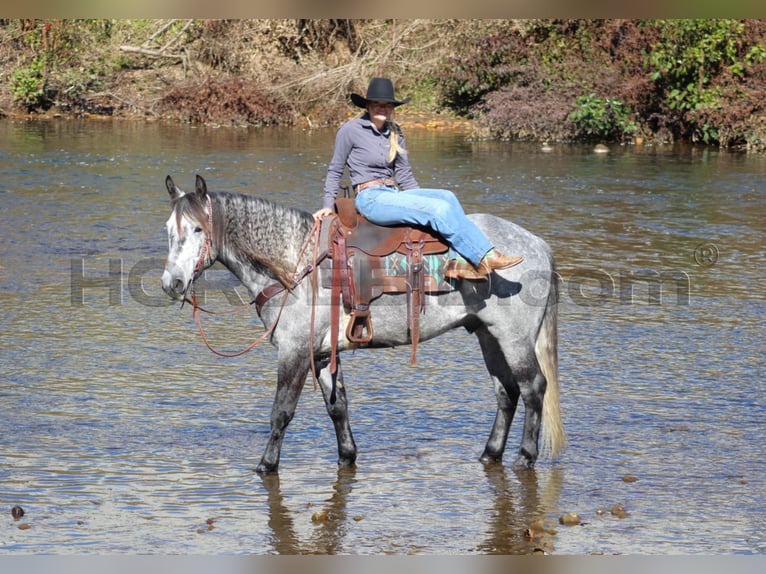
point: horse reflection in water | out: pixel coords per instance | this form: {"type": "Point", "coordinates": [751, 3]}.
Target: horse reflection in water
{"type": "Point", "coordinates": [517, 523]}
{"type": "Point", "coordinates": [515, 510]}
{"type": "Point", "coordinates": [332, 518]}
{"type": "Point", "coordinates": [513, 314]}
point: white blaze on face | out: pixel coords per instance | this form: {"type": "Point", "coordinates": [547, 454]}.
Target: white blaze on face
{"type": "Point", "coordinates": [184, 249]}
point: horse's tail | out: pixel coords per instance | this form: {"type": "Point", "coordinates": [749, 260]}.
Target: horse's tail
{"type": "Point", "coordinates": [546, 350]}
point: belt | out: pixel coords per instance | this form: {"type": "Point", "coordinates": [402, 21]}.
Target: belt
{"type": "Point", "coordinates": [373, 182]}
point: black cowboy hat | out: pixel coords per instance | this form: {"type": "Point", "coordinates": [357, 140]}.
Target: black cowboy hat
{"type": "Point", "coordinates": [379, 90]}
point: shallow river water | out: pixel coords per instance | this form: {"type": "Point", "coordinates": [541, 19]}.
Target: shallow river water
{"type": "Point", "coordinates": [121, 433]}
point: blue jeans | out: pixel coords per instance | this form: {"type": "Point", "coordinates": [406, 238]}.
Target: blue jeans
{"type": "Point", "coordinates": [438, 209]}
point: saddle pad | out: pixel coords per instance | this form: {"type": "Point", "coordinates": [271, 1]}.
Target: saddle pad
{"type": "Point", "coordinates": [395, 266]}
{"type": "Point", "coordinates": [434, 266]}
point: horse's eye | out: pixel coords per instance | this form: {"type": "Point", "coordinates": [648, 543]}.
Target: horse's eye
{"type": "Point", "coordinates": [198, 229]}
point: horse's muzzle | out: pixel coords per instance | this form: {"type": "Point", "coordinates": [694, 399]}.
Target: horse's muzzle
{"type": "Point", "coordinates": [173, 285]}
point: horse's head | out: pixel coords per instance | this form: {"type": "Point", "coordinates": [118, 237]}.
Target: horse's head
{"type": "Point", "coordinates": [189, 228]}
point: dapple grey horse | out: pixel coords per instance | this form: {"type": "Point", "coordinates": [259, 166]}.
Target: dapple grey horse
{"type": "Point", "coordinates": [513, 314]}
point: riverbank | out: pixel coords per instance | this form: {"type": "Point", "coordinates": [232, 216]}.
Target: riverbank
{"type": "Point", "coordinates": [663, 81]}
{"type": "Point", "coordinates": [406, 119]}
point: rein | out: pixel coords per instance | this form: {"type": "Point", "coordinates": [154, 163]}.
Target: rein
{"type": "Point", "coordinates": [196, 313]}
{"type": "Point", "coordinates": [259, 301]}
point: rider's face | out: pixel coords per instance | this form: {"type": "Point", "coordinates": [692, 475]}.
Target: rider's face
{"type": "Point", "coordinates": [380, 112]}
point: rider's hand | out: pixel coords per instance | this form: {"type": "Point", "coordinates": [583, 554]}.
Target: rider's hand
{"type": "Point", "coordinates": [320, 214]}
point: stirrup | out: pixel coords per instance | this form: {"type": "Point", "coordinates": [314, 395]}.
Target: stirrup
{"type": "Point", "coordinates": [359, 330]}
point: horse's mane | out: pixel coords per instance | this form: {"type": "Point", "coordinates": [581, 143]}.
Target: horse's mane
{"type": "Point", "coordinates": [265, 232]}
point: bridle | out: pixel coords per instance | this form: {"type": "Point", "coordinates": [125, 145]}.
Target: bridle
{"type": "Point", "coordinates": [207, 247]}
{"type": "Point", "coordinates": [270, 291]}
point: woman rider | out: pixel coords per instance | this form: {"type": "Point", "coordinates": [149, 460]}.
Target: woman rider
{"type": "Point", "coordinates": [372, 146]}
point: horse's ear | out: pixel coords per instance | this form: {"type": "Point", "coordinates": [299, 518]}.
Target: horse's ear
{"type": "Point", "coordinates": [200, 186]}
{"type": "Point", "coordinates": [174, 191]}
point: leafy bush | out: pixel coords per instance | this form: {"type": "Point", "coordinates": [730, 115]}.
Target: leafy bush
{"type": "Point", "coordinates": [694, 80]}
{"type": "Point", "coordinates": [691, 53]}
{"type": "Point", "coordinates": [70, 59]}
{"type": "Point", "coordinates": [694, 63]}
{"type": "Point", "coordinates": [602, 118]}
{"type": "Point", "coordinates": [28, 85]}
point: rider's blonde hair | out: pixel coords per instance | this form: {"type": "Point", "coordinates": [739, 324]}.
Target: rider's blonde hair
{"type": "Point", "coordinates": [394, 147]}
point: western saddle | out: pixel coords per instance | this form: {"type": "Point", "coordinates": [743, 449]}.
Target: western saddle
{"type": "Point", "coordinates": [363, 262]}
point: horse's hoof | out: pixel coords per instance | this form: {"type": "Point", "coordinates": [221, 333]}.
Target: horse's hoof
{"type": "Point", "coordinates": [523, 463]}
{"type": "Point", "coordinates": [263, 469]}
{"type": "Point", "coordinates": [488, 459]}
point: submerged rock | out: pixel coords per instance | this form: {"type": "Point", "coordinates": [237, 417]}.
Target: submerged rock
{"type": "Point", "coordinates": [619, 511]}
{"type": "Point", "coordinates": [569, 519]}
{"type": "Point", "coordinates": [320, 516]}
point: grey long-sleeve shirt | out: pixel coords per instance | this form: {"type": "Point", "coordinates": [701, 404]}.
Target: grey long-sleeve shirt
{"type": "Point", "coordinates": [361, 147]}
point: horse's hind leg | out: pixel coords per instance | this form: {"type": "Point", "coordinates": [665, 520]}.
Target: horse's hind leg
{"type": "Point", "coordinates": [507, 393]}
{"type": "Point", "coordinates": [515, 372]}
{"type": "Point", "coordinates": [334, 393]}
{"type": "Point", "coordinates": [291, 377]}
{"type": "Point", "coordinates": [532, 392]}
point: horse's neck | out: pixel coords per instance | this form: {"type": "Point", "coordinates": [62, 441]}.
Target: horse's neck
{"type": "Point", "coordinates": [259, 238]}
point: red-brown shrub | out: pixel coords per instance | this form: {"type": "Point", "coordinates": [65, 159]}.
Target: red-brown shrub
{"type": "Point", "coordinates": [232, 101]}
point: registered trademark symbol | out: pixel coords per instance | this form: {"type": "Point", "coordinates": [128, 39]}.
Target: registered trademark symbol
{"type": "Point", "coordinates": [706, 254]}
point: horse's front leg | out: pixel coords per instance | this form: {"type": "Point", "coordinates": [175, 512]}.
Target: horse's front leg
{"type": "Point", "coordinates": [334, 392]}
{"type": "Point", "coordinates": [291, 377]}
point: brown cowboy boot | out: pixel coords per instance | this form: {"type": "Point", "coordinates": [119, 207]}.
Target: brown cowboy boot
{"type": "Point", "coordinates": [489, 263]}
{"type": "Point", "coordinates": [495, 260]}
{"type": "Point", "coordinates": [463, 270]}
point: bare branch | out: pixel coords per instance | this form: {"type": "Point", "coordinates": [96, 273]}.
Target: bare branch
{"type": "Point", "coordinates": [177, 36]}
{"type": "Point", "coordinates": [150, 52]}
{"type": "Point", "coordinates": [160, 31]}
